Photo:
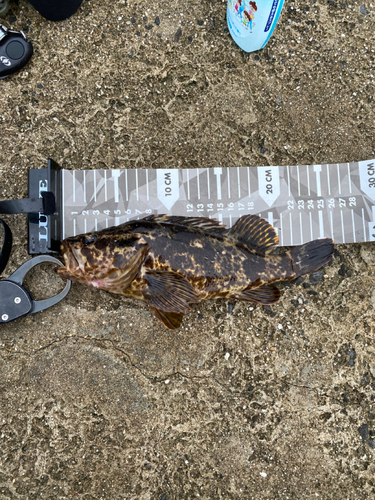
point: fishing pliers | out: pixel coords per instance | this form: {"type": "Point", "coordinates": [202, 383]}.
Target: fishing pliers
{"type": "Point", "coordinates": [15, 299]}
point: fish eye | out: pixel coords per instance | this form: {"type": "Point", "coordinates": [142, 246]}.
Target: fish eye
{"type": "Point", "coordinates": [90, 239]}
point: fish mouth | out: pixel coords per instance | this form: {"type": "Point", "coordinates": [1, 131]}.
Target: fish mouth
{"type": "Point", "coordinates": [74, 263]}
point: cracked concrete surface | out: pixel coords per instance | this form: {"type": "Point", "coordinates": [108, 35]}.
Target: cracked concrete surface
{"type": "Point", "coordinates": [99, 401]}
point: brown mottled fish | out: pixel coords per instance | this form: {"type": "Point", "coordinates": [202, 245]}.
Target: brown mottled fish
{"type": "Point", "coordinates": [171, 262]}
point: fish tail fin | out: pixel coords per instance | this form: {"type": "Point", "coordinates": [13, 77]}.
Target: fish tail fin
{"type": "Point", "coordinates": [311, 256]}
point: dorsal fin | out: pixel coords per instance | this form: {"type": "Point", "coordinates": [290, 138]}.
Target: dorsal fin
{"type": "Point", "coordinates": [198, 223]}
{"type": "Point", "coordinates": [255, 233]}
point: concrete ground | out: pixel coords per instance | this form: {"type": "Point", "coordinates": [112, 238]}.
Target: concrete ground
{"type": "Point", "coordinates": [97, 399]}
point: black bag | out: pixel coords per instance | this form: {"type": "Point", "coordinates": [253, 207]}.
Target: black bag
{"type": "Point", "coordinates": [56, 10]}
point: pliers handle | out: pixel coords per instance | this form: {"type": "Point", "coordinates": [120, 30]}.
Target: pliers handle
{"type": "Point", "coordinates": [15, 299]}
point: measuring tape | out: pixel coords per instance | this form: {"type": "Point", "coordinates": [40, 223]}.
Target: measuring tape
{"type": "Point", "coordinates": [302, 202]}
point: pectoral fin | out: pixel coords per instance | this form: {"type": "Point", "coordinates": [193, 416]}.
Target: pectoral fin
{"type": "Point", "coordinates": [266, 294]}
{"type": "Point", "coordinates": [170, 320]}
{"type": "Point", "coordinates": [169, 291]}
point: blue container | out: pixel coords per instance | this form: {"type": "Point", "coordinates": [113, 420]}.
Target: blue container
{"type": "Point", "coordinates": [251, 22]}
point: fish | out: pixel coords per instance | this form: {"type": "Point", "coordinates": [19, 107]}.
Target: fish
{"type": "Point", "coordinates": [172, 262]}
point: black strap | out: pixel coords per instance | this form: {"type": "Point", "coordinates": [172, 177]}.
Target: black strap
{"type": "Point", "coordinates": [46, 205]}
{"type": "Point", "coordinates": [7, 246]}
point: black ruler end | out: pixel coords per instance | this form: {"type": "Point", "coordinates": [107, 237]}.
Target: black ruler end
{"type": "Point", "coordinates": [45, 230]}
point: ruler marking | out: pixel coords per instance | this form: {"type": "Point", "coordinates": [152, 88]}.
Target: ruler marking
{"type": "Point", "coordinates": [308, 180]}
{"type": "Point", "coordinates": [84, 186]}
{"type": "Point", "coordinates": [317, 170]}
{"type": "Point", "coordinates": [281, 231]}
{"type": "Point", "coordinates": [96, 224]}
{"type": "Point", "coordinates": [117, 221]}
{"type": "Point", "coordinates": [321, 224]}
{"type": "Point", "coordinates": [220, 217]}
{"type": "Point", "coordinates": [116, 174]}
{"type": "Point", "coordinates": [291, 228]}
{"type": "Point", "coordinates": [353, 226]}
{"type": "Point", "coordinates": [350, 179]}
{"type": "Point", "coordinates": [95, 185]}
{"type": "Point", "coordinates": [270, 218]}
{"type": "Point", "coordinates": [328, 182]}
{"type": "Point", "coordinates": [298, 182]}
{"type": "Point", "coordinates": [74, 186]}
{"type": "Point", "coordinates": [218, 171]}
{"type": "Point", "coordinates": [364, 226]}
{"type": "Point", "coordinates": [188, 184]}
{"type": "Point", "coordinates": [63, 205]}
{"type": "Point", "coordinates": [84, 201]}
{"type": "Point", "coordinates": [342, 226]}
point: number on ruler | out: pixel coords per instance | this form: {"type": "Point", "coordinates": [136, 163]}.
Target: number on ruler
{"type": "Point", "coordinates": [371, 173]}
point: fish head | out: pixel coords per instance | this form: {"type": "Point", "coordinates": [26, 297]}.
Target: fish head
{"type": "Point", "coordinates": [94, 258]}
